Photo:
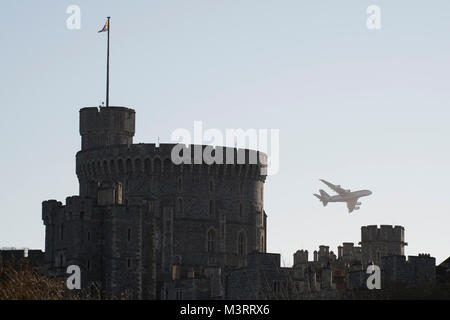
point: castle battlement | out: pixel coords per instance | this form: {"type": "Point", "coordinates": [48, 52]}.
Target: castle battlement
{"type": "Point", "coordinates": [119, 161]}
{"type": "Point", "coordinates": [382, 233]}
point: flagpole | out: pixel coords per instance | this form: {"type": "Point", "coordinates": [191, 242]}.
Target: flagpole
{"type": "Point", "coordinates": [107, 67]}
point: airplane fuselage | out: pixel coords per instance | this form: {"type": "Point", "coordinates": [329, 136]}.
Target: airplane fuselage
{"type": "Point", "coordinates": [349, 196]}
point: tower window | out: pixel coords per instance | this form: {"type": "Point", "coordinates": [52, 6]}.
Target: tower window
{"type": "Point", "coordinates": [89, 265]}
{"type": "Point", "coordinates": [61, 232]}
{"type": "Point", "coordinates": [180, 206]}
{"type": "Point", "coordinates": [211, 207]}
{"type": "Point", "coordinates": [89, 236]}
{"type": "Point", "coordinates": [240, 210]}
{"type": "Point", "coordinates": [180, 184]}
{"type": "Point", "coordinates": [211, 240]}
{"type": "Point", "coordinates": [129, 263]}
{"type": "Point", "coordinates": [241, 244]}
{"type": "Point", "coordinates": [129, 234]}
{"type": "Point", "coordinates": [157, 240]}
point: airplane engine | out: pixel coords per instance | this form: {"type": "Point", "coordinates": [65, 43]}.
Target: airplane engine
{"type": "Point", "coordinates": [356, 208]}
{"type": "Point", "coordinates": [358, 203]}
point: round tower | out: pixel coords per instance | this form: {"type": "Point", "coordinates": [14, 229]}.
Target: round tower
{"type": "Point", "coordinates": [206, 215]}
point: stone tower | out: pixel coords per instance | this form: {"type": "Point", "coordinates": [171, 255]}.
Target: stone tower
{"type": "Point", "coordinates": [379, 242]}
{"type": "Point", "coordinates": [106, 126]}
{"type": "Point", "coordinates": [140, 221]}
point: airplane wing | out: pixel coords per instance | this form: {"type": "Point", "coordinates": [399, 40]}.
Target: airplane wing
{"type": "Point", "coordinates": [351, 204]}
{"type": "Point", "coordinates": [336, 188]}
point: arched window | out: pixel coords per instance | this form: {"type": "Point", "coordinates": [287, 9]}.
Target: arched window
{"type": "Point", "coordinates": [211, 207]}
{"type": "Point", "coordinates": [157, 240]}
{"type": "Point", "coordinates": [240, 210]}
{"type": "Point", "coordinates": [99, 168]}
{"type": "Point", "coordinates": [180, 184]}
{"type": "Point", "coordinates": [241, 244]}
{"type": "Point", "coordinates": [180, 206]}
{"type": "Point", "coordinates": [105, 167]}
{"type": "Point", "coordinates": [211, 240]}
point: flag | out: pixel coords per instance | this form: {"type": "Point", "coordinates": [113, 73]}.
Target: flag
{"type": "Point", "coordinates": [105, 28]}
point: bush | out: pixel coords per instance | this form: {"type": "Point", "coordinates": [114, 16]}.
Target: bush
{"type": "Point", "coordinates": [26, 284]}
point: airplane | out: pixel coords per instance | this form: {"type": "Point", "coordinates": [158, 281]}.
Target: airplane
{"type": "Point", "coordinates": [343, 196]}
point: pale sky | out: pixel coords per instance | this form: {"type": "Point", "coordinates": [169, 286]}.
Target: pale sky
{"type": "Point", "coordinates": [367, 109]}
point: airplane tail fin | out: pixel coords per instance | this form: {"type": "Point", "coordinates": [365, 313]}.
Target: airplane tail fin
{"type": "Point", "coordinates": [324, 197]}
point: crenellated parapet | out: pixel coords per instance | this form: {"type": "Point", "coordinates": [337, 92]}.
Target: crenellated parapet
{"type": "Point", "coordinates": [119, 161]}
{"type": "Point", "coordinates": [383, 233]}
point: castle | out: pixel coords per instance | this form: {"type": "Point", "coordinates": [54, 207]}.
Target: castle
{"type": "Point", "coordinates": [145, 228]}
{"type": "Point", "coordinates": [139, 220]}
{"type": "Point", "coordinates": [264, 278]}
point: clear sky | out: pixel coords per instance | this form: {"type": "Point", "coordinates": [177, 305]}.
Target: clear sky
{"type": "Point", "coordinates": [367, 109]}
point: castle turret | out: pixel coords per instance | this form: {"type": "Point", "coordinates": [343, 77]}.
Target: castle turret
{"type": "Point", "coordinates": [301, 257]}
{"type": "Point", "coordinates": [100, 127]}
{"type": "Point", "coordinates": [380, 242]}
